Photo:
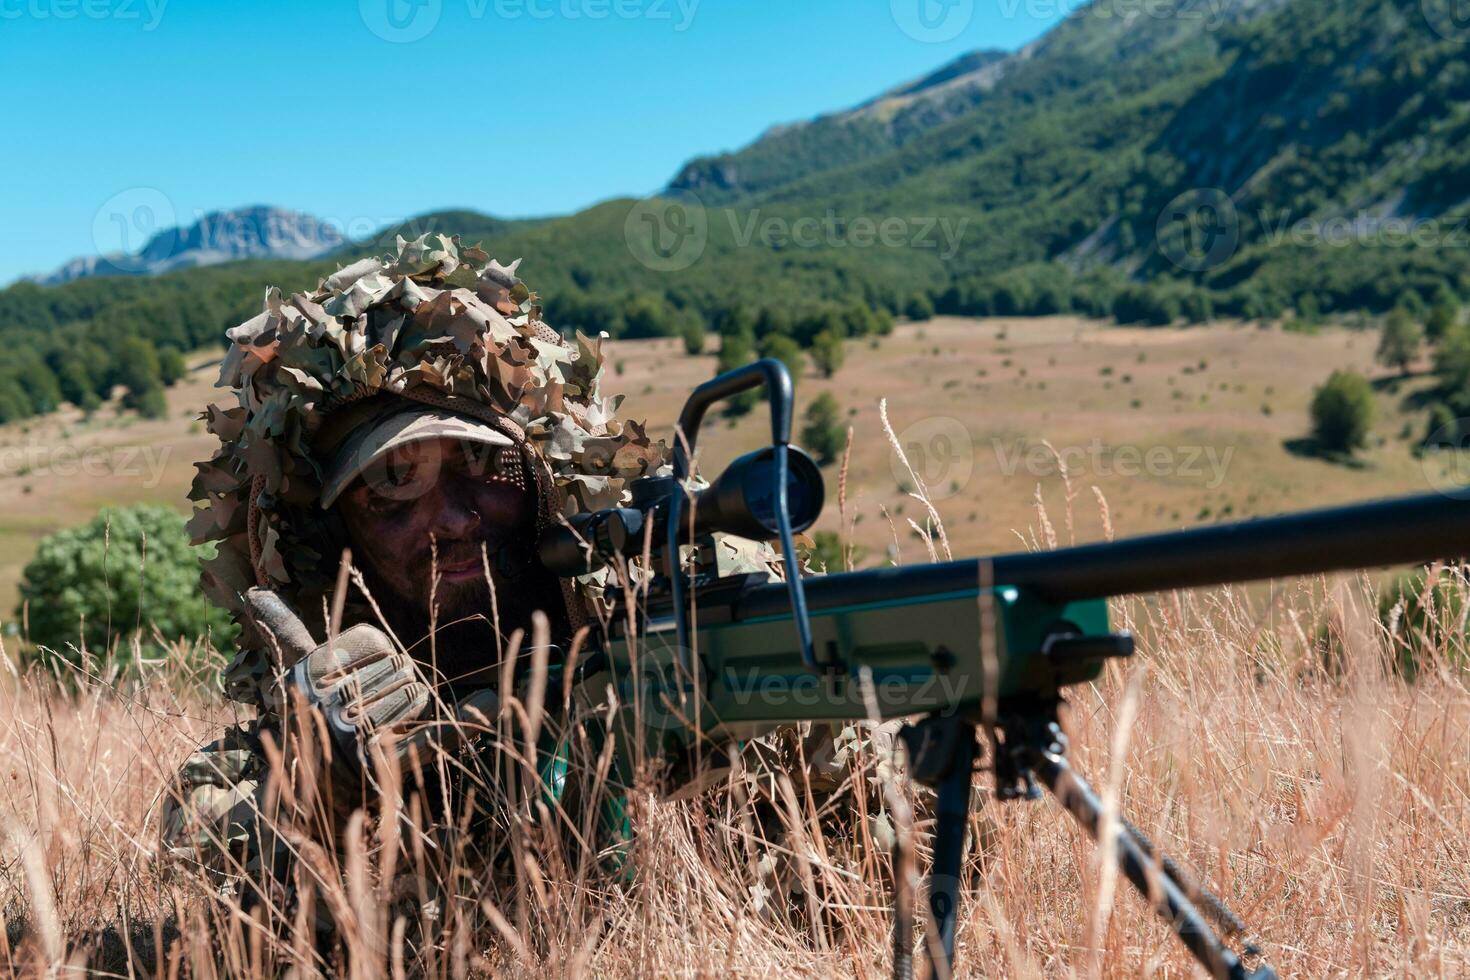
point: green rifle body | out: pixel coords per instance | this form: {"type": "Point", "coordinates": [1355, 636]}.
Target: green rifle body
{"type": "Point", "coordinates": [910, 655]}
{"type": "Point", "coordinates": [940, 638]}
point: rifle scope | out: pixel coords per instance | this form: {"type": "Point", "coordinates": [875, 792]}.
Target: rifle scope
{"type": "Point", "coordinates": [741, 501]}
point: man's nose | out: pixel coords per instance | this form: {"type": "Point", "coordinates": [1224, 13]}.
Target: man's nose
{"type": "Point", "coordinates": [456, 519]}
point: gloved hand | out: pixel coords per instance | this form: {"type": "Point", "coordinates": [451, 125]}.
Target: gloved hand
{"type": "Point", "coordinates": [364, 687]}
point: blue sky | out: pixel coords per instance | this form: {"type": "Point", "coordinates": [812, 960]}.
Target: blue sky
{"type": "Point", "coordinates": [370, 111]}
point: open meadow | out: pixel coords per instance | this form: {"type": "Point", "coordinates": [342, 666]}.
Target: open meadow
{"type": "Point", "coordinates": [1176, 426]}
{"type": "Point", "coordinates": [1264, 738]}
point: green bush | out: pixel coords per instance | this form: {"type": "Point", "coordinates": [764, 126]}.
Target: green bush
{"type": "Point", "coordinates": [692, 332]}
{"type": "Point", "coordinates": [1442, 428]}
{"type": "Point", "coordinates": [139, 371]}
{"type": "Point", "coordinates": [1424, 622]}
{"type": "Point", "coordinates": [1443, 315]}
{"type": "Point", "coordinates": [825, 552]}
{"type": "Point", "coordinates": [824, 434]}
{"type": "Point", "coordinates": [787, 351]}
{"type": "Point", "coordinates": [735, 352]}
{"type": "Point", "coordinates": [1398, 344]}
{"type": "Point", "coordinates": [919, 307]}
{"type": "Point", "coordinates": [1452, 368]}
{"type": "Point", "coordinates": [171, 366]}
{"type": "Point", "coordinates": [129, 568]}
{"type": "Point", "coordinates": [1342, 412]}
{"type": "Point", "coordinates": [827, 353]}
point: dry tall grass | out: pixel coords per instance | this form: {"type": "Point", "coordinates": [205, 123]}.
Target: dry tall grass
{"type": "Point", "coordinates": [1266, 740]}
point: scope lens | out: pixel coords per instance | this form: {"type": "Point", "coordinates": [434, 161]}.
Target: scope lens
{"type": "Point", "coordinates": [803, 489]}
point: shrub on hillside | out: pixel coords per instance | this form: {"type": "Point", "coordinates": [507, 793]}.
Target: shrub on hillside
{"type": "Point", "coordinates": [1342, 412]}
{"type": "Point", "coordinates": [827, 352]}
{"type": "Point", "coordinates": [824, 435]}
{"type": "Point", "coordinates": [787, 351]}
{"type": "Point", "coordinates": [1398, 343]}
{"type": "Point", "coordinates": [1443, 315]}
{"type": "Point", "coordinates": [692, 333]}
{"type": "Point", "coordinates": [128, 569]}
{"type": "Point", "coordinates": [919, 307]}
{"type": "Point", "coordinates": [736, 351]}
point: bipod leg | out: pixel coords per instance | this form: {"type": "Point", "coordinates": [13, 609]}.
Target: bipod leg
{"type": "Point", "coordinates": [1141, 866]}
{"type": "Point", "coordinates": [942, 755]}
{"type": "Point", "coordinates": [953, 813]}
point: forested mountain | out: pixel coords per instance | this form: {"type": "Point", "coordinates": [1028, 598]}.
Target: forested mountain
{"type": "Point", "coordinates": [1241, 157]}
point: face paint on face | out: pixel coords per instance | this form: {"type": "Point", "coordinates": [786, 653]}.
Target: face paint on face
{"type": "Point", "coordinates": [469, 501]}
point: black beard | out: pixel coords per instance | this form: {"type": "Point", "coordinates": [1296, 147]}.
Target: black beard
{"type": "Point", "coordinates": [465, 650]}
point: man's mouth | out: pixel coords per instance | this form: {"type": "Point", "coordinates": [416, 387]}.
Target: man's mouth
{"type": "Point", "coordinates": [462, 569]}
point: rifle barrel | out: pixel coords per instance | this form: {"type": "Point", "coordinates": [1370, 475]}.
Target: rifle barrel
{"type": "Point", "coordinates": [1401, 531]}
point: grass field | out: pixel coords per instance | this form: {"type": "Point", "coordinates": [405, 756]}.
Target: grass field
{"type": "Point", "coordinates": [1324, 798]}
{"type": "Point", "coordinates": [1176, 427]}
{"type": "Point", "coordinates": [1260, 736]}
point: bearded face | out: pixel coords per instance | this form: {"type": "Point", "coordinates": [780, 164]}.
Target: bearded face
{"type": "Point", "coordinates": [438, 524]}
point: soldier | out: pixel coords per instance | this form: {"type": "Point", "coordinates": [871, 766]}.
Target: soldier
{"type": "Point", "coordinates": [416, 412]}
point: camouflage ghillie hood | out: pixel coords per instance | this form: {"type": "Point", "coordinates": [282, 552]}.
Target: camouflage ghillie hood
{"type": "Point", "coordinates": [435, 323]}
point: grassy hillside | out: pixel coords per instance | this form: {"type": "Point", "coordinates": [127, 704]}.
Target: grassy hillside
{"type": "Point", "coordinates": [972, 400]}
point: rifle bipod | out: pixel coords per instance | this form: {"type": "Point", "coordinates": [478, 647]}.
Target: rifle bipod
{"type": "Point", "coordinates": [1026, 747]}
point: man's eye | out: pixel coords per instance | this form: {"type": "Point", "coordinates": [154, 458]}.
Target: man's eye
{"type": "Point", "coordinates": [389, 487]}
{"type": "Point", "coordinates": [380, 503]}
{"type": "Point", "coordinates": [399, 476]}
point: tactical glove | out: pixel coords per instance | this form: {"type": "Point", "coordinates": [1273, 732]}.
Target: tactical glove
{"type": "Point", "coordinates": [365, 688]}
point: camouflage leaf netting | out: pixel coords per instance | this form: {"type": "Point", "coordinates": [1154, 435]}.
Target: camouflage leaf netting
{"type": "Point", "coordinates": [436, 323]}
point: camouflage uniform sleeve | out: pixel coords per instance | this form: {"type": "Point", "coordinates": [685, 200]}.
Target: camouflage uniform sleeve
{"type": "Point", "coordinates": [211, 813]}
